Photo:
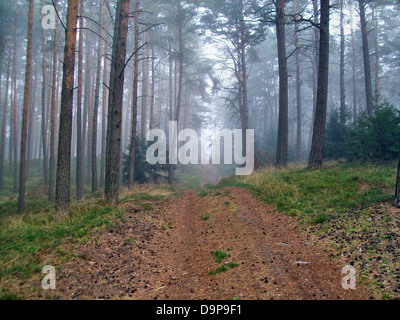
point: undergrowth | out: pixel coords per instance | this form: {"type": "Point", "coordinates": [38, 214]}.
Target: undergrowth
{"type": "Point", "coordinates": [319, 195]}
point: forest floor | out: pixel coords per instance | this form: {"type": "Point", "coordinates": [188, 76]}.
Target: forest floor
{"type": "Point", "coordinates": [173, 253]}
{"type": "Point", "coordinates": [218, 242]}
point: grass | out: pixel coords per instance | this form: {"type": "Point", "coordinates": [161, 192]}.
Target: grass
{"type": "Point", "coordinates": [219, 255]}
{"type": "Point", "coordinates": [32, 184]}
{"type": "Point", "coordinates": [202, 193]}
{"type": "Point", "coordinates": [205, 217]}
{"type": "Point", "coordinates": [341, 206]}
{"type": "Point", "coordinates": [28, 242]}
{"type": "Point", "coordinates": [33, 239]}
{"type": "Point", "coordinates": [318, 195]}
{"type": "Point", "coordinates": [145, 206]}
{"type": "Point", "coordinates": [223, 268]}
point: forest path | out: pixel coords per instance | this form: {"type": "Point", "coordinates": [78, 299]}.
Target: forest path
{"type": "Point", "coordinates": [211, 175]}
{"type": "Point", "coordinates": [167, 253]}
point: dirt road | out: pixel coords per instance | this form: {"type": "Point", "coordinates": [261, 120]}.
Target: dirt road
{"type": "Point", "coordinates": [168, 254]}
{"type": "Point", "coordinates": [210, 175]}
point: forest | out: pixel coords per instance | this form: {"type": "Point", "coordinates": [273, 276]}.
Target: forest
{"type": "Point", "coordinates": [306, 93]}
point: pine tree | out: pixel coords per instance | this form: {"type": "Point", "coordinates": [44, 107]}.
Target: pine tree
{"type": "Point", "coordinates": [63, 182]}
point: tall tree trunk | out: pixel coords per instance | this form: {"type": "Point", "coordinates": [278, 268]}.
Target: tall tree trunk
{"type": "Point", "coordinates": [79, 144]}
{"type": "Point", "coordinates": [63, 184]}
{"type": "Point", "coordinates": [4, 122]}
{"type": "Point", "coordinates": [367, 63]}
{"type": "Point", "coordinates": [126, 127]}
{"type": "Point", "coordinates": [342, 84]}
{"type": "Point", "coordinates": [282, 143]}
{"type": "Point", "coordinates": [178, 83]}
{"type": "Point", "coordinates": [95, 186]}
{"type": "Point", "coordinates": [180, 70]}
{"type": "Point", "coordinates": [132, 143]}
{"type": "Point", "coordinates": [14, 113]}
{"type": "Point", "coordinates": [298, 87]}
{"type": "Point", "coordinates": [317, 146]}
{"type": "Point", "coordinates": [354, 67]}
{"type": "Point", "coordinates": [31, 118]}
{"type": "Point", "coordinates": [25, 110]}
{"type": "Point", "coordinates": [171, 99]}
{"type": "Point", "coordinates": [53, 121]}
{"type": "Point", "coordinates": [103, 116]}
{"type": "Point", "coordinates": [377, 54]}
{"type": "Point", "coordinates": [171, 102]}
{"type": "Point", "coordinates": [145, 87]}
{"type": "Point", "coordinates": [314, 62]}
{"type": "Point", "coordinates": [86, 116]}
{"type": "Point", "coordinates": [115, 102]}
{"type": "Point", "coordinates": [44, 117]}
{"type": "Point", "coordinates": [89, 125]}
{"type": "Point", "coordinates": [187, 100]}
{"type": "Point", "coordinates": [48, 109]}
{"type": "Point", "coordinates": [153, 82]}
{"type": "Point", "coordinates": [186, 115]}
{"type": "Point", "coordinates": [244, 112]}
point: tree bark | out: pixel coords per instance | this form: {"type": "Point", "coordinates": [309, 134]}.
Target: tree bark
{"type": "Point", "coordinates": [63, 185]}
{"type": "Point", "coordinates": [244, 112]}
{"type": "Point", "coordinates": [86, 116]}
{"type": "Point", "coordinates": [315, 159]}
{"type": "Point", "coordinates": [53, 121]}
{"type": "Point", "coordinates": [178, 81]}
{"type": "Point", "coordinates": [79, 144]}
{"type": "Point", "coordinates": [342, 84]}
{"type": "Point", "coordinates": [377, 54]}
{"type": "Point", "coordinates": [282, 143]}
{"type": "Point", "coordinates": [25, 110]}
{"type": "Point", "coordinates": [153, 83]}
{"type": "Point", "coordinates": [171, 100]}
{"type": "Point", "coordinates": [367, 63]}
{"type": "Point", "coordinates": [4, 121]}
{"type": "Point", "coordinates": [95, 185]}
{"type": "Point", "coordinates": [115, 102]}
{"type": "Point", "coordinates": [44, 117]}
{"type": "Point", "coordinates": [88, 107]}
{"type": "Point", "coordinates": [132, 144]}
{"type": "Point", "coordinates": [31, 118]}
{"type": "Point", "coordinates": [14, 113]}
{"type": "Point", "coordinates": [145, 87]}
{"type": "Point", "coordinates": [314, 62]}
{"type": "Point", "coordinates": [103, 116]}
{"type": "Point", "coordinates": [298, 88]}
{"type": "Point", "coordinates": [354, 68]}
